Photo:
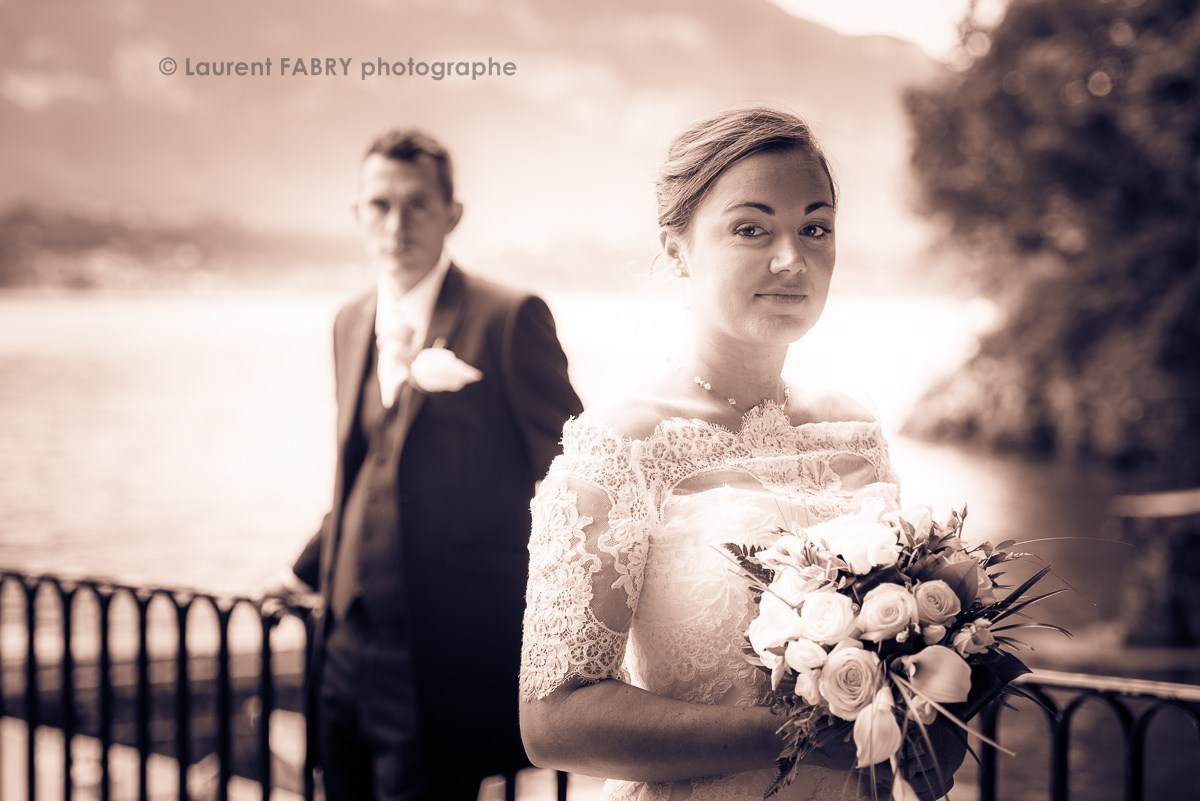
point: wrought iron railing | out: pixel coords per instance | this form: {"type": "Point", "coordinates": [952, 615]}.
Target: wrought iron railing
{"type": "Point", "coordinates": [137, 674]}
{"type": "Point", "coordinates": [1134, 705]}
{"type": "Point", "coordinates": [182, 701]}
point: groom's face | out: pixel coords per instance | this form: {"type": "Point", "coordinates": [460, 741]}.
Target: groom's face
{"type": "Point", "coordinates": [404, 216]}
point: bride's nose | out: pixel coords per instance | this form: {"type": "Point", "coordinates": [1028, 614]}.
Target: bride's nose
{"type": "Point", "coordinates": [788, 258]}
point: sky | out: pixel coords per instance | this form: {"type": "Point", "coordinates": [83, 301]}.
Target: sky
{"type": "Point", "coordinates": [930, 24]}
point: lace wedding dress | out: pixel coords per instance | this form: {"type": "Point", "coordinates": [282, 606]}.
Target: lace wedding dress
{"type": "Point", "coordinates": [627, 578]}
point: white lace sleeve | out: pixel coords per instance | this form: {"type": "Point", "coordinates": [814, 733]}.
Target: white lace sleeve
{"type": "Point", "coordinates": [587, 551]}
{"type": "Point", "coordinates": [886, 470]}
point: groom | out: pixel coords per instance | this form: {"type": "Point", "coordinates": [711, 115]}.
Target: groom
{"type": "Point", "coordinates": [451, 394]}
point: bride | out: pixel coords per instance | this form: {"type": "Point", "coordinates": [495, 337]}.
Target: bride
{"type": "Point", "coordinates": [632, 663]}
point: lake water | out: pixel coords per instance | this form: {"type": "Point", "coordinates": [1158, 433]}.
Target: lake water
{"type": "Point", "coordinates": [187, 439]}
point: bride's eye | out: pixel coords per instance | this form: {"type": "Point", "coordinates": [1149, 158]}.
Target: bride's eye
{"type": "Point", "coordinates": [816, 231]}
{"type": "Point", "coordinates": [750, 231]}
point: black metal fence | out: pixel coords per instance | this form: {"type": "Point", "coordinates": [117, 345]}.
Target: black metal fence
{"type": "Point", "coordinates": [140, 667]}
{"type": "Point", "coordinates": [1120, 763]}
{"type": "Point", "coordinates": [146, 686]}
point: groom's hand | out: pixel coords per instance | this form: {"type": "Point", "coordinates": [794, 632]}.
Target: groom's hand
{"type": "Point", "coordinates": [286, 586]}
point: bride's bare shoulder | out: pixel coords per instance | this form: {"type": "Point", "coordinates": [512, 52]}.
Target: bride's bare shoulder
{"type": "Point", "coordinates": [824, 405]}
{"type": "Point", "coordinates": [635, 415]}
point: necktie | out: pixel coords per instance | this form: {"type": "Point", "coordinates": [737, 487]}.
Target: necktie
{"type": "Point", "coordinates": [396, 349]}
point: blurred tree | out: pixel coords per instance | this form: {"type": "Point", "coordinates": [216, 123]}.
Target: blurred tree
{"type": "Point", "coordinates": [1063, 158]}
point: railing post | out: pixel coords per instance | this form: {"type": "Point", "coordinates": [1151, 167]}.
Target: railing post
{"type": "Point", "coordinates": [510, 786]}
{"type": "Point", "coordinates": [32, 713]}
{"type": "Point", "coordinates": [68, 690]}
{"type": "Point", "coordinates": [183, 698]}
{"type": "Point", "coordinates": [224, 705]}
{"type": "Point", "coordinates": [562, 779]}
{"type": "Point", "coordinates": [1060, 766]}
{"type": "Point", "coordinates": [142, 701]}
{"type": "Point", "coordinates": [266, 692]}
{"type": "Point", "coordinates": [104, 689]}
{"type": "Point", "coordinates": [1135, 761]}
{"type": "Point", "coordinates": [989, 725]}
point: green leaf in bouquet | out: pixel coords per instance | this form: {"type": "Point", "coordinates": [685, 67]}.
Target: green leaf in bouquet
{"type": "Point", "coordinates": [1021, 692]}
{"type": "Point", "coordinates": [925, 565]}
{"type": "Point", "coordinates": [801, 733]}
{"type": "Point", "coordinates": [1000, 557]}
{"type": "Point", "coordinates": [888, 649]}
{"type": "Point", "coordinates": [1015, 609]}
{"type": "Point", "coordinates": [1015, 596]}
{"type": "Point", "coordinates": [881, 575]}
{"type": "Point", "coordinates": [1050, 626]}
{"type": "Point", "coordinates": [744, 556]}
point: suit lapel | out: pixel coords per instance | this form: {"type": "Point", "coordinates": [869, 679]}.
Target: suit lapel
{"type": "Point", "coordinates": [355, 346]}
{"type": "Point", "coordinates": [446, 312]}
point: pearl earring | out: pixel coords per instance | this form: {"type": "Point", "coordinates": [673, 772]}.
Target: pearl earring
{"type": "Point", "coordinates": [678, 270]}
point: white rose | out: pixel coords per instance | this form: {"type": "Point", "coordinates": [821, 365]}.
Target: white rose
{"type": "Point", "coordinates": [936, 602]}
{"type": "Point", "coordinates": [887, 496]}
{"type": "Point", "coordinates": [919, 517]}
{"type": "Point", "coordinates": [851, 677]}
{"type": "Point", "coordinates": [808, 687]}
{"type": "Point", "coordinates": [827, 617]}
{"type": "Point", "coordinates": [804, 655]}
{"type": "Point", "coordinates": [792, 587]}
{"type": "Point", "coordinates": [439, 370]}
{"type": "Point", "coordinates": [933, 633]}
{"type": "Point", "coordinates": [775, 625]}
{"type": "Point", "coordinates": [861, 541]}
{"type": "Point", "coordinates": [887, 611]}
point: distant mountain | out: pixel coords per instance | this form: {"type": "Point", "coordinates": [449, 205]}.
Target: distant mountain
{"type": "Point", "coordinates": [560, 153]}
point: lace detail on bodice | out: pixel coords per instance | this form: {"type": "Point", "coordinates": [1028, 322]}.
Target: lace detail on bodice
{"type": "Point", "coordinates": [627, 578]}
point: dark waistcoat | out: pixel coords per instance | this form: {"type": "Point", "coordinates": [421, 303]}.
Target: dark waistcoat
{"type": "Point", "coordinates": [369, 564]}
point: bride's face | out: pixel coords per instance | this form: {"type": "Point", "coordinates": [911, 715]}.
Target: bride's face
{"type": "Point", "coordinates": [760, 248]}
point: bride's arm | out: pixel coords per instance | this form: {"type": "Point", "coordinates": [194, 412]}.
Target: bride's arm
{"type": "Point", "coordinates": [618, 731]}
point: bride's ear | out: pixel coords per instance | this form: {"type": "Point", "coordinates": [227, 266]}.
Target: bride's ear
{"type": "Point", "coordinates": [672, 250]}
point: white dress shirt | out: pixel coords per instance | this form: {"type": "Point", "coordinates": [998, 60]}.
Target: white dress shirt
{"type": "Point", "coordinates": [401, 324]}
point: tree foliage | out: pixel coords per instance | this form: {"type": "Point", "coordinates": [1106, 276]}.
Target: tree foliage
{"type": "Point", "coordinates": [1065, 161]}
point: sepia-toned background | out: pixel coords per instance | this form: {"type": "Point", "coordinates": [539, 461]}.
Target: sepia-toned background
{"type": "Point", "coordinates": [1015, 290]}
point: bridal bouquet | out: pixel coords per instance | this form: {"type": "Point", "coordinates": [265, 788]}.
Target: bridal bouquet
{"type": "Point", "coordinates": [874, 623]}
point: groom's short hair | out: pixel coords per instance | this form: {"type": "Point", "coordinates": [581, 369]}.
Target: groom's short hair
{"type": "Point", "coordinates": [409, 144]}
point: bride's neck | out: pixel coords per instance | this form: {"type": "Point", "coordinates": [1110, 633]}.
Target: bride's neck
{"type": "Point", "coordinates": [748, 374]}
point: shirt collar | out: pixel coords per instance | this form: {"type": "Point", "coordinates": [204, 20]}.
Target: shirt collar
{"type": "Point", "coordinates": [413, 308]}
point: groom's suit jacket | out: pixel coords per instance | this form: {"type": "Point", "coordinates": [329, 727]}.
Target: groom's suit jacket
{"type": "Point", "coordinates": [468, 463]}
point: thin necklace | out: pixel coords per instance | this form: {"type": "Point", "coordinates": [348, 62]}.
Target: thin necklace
{"type": "Point", "coordinates": [707, 387]}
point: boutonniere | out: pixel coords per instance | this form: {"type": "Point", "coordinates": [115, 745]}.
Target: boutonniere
{"type": "Point", "coordinates": [437, 369]}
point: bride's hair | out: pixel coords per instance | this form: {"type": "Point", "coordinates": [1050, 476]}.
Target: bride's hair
{"type": "Point", "coordinates": [702, 152]}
